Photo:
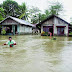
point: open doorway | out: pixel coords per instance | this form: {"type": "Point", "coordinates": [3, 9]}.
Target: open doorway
{"type": "Point", "coordinates": [48, 29]}
{"type": "Point", "coordinates": [9, 28]}
{"type": "Point", "coordinates": [51, 30]}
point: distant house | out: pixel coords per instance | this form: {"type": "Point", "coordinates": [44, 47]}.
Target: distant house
{"type": "Point", "coordinates": [55, 25]}
{"type": "Point", "coordinates": [16, 25]}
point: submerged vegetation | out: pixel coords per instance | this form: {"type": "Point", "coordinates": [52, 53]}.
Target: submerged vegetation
{"type": "Point", "coordinates": [44, 34]}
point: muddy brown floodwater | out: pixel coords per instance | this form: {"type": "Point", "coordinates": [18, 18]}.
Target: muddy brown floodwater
{"type": "Point", "coordinates": [34, 53]}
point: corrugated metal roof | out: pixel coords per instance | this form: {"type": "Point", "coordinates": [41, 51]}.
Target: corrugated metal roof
{"type": "Point", "coordinates": [20, 21]}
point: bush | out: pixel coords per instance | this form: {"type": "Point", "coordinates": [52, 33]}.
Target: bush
{"type": "Point", "coordinates": [70, 33]}
{"type": "Point", "coordinates": [3, 32]}
{"type": "Point", "coordinates": [44, 33]}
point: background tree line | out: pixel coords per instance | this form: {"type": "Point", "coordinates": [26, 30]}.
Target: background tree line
{"type": "Point", "coordinates": [33, 14]}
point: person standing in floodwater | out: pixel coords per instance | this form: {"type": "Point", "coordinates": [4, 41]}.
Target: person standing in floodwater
{"type": "Point", "coordinates": [11, 42]}
{"type": "Point", "coordinates": [50, 33]}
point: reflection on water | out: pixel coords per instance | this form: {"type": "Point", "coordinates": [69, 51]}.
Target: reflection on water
{"type": "Point", "coordinates": [34, 53]}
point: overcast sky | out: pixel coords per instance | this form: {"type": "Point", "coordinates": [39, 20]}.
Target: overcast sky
{"type": "Point", "coordinates": [43, 4]}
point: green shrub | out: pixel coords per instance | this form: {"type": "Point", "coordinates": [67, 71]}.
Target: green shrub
{"type": "Point", "coordinates": [70, 33]}
{"type": "Point", "coordinates": [3, 32]}
{"type": "Point", "coordinates": [44, 33]}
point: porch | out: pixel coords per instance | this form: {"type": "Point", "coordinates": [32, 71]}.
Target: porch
{"type": "Point", "coordinates": [10, 29]}
{"type": "Point", "coordinates": [55, 30]}
{"type": "Point", "coordinates": [48, 29]}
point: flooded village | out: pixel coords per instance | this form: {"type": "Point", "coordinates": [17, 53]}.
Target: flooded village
{"type": "Point", "coordinates": [37, 46]}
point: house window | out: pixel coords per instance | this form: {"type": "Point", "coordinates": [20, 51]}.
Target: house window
{"type": "Point", "coordinates": [60, 30]}
{"type": "Point", "coordinates": [45, 29]}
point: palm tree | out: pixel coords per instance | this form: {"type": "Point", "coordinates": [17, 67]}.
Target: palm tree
{"type": "Point", "coordinates": [23, 10]}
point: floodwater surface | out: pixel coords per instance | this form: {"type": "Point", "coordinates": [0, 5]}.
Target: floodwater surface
{"type": "Point", "coordinates": [35, 53]}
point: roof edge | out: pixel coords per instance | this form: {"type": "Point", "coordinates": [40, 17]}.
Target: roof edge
{"type": "Point", "coordinates": [50, 17]}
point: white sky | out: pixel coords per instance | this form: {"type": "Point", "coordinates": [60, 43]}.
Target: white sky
{"type": "Point", "coordinates": [43, 4]}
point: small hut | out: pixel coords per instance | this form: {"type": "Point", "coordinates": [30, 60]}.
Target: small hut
{"type": "Point", "coordinates": [14, 25]}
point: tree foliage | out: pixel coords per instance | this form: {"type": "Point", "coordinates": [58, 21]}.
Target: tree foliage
{"type": "Point", "coordinates": [56, 8]}
{"type": "Point", "coordinates": [1, 14]}
{"type": "Point", "coordinates": [23, 9]}
{"type": "Point", "coordinates": [33, 15]}
{"type": "Point", "coordinates": [10, 7]}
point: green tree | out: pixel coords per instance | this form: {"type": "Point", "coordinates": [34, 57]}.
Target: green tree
{"type": "Point", "coordinates": [38, 16]}
{"type": "Point", "coordinates": [34, 19]}
{"type": "Point", "coordinates": [1, 14]}
{"type": "Point", "coordinates": [34, 14]}
{"type": "Point", "coordinates": [56, 8]}
{"type": "Point", "coordinates": [43, 16]}
{"type": "Point", "coordinates": [47, 13]}
{"type": "Point", "coordinates": [10, 7]}
{"type": "Point", "coordinates": [34, 10]}
{"type": "Point", "coordinates": [23, 10]}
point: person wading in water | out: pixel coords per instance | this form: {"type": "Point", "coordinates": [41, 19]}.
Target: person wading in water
{"type": "Point", "coordinates": [50, 33]}
{"type": "Point", "coordinates": [11, 42]}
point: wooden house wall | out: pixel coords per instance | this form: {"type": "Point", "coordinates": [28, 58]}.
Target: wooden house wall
{"type": "Point", "coordinates": [9, 22]}
{"type": "Point", "coordinates": [58, 22]}
{"type": "Point", "coordinates": [25, 29]}
{"type": "Point", "coordinates": [49, 22]}
{"type": "Point", "coordinates": [21, 29]}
